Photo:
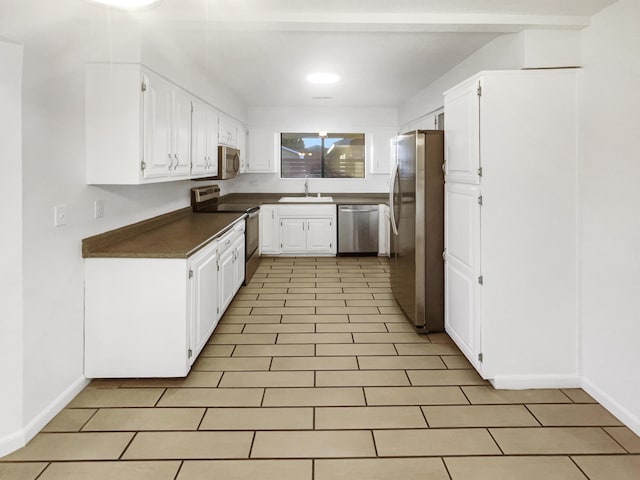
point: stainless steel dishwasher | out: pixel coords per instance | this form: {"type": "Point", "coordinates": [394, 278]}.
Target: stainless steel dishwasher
{"type": "Point", "coordinates": [357, 229]}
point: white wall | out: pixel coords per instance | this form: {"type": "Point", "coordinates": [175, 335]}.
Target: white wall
{"type": "Point", "coordinates": [11, 245]}
{"type": "Point", "coordinates": [504, 52]}
{"type": "Point", "coordinates": [609, 182]}
{"type": "Point", "coordinates": [527, 49]}
{"type": "Point", "coordinates": [381, 123]}
{"type": "Point", "coordinates": [53, 174]}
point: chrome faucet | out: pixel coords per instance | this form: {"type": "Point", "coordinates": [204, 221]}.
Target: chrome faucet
{"type": "Point", "coordinates": [306, 186]}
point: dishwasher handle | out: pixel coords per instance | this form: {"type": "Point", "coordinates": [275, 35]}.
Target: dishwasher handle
{"type": "Point", "coordinates": [351, 210]}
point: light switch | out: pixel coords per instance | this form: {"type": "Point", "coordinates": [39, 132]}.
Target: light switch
{"type": "Point", "coordinates": [98, 209]}
{"type": "Point", "coordinates": [59, 215]}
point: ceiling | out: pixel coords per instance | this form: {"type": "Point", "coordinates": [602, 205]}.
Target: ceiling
{"type": "Point", "coordinates": [384, 50]}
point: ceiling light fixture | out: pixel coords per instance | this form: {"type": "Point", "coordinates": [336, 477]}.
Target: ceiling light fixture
{"type": "Point", "coordinates": [127, 4]}
{"type": "Point", "coordinates": [323, 78]}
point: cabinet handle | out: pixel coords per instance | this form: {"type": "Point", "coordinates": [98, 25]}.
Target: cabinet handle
{"type": "Point", "coordinates": [170, 161]}
{"type": "Point", "coordinates": [177, 161]}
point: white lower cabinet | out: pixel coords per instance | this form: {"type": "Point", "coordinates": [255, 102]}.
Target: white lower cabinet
{"type": "Point", "coordinates": [204, 287]}
{"type": "Point", "coordinates": [307, 229]}
{"type": "Point", "coordinates": [227, 277]}
{"type": "Point", "coordinates": [269, 231]}
{"type": "Point", "coordinates": [462, 268]}
{"type": "Point", "coordinates": [151, 317]}
{"type": "Point", "coordinates": [231, 265]}
{"type": "Point", "coordinates": [319, 236]}
{"type": "Point", "coordinates": [293, 237]}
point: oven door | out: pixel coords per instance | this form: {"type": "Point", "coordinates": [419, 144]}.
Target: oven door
{"type": "Point", "coordinates": [252, 231]}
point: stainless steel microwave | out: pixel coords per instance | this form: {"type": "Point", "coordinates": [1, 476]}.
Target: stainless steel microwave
{"type": "Point", "coordinates": [228, 162]}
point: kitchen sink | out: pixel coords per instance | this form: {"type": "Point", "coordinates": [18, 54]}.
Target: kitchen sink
{"type": "Point", "coordinates": [306, 199]}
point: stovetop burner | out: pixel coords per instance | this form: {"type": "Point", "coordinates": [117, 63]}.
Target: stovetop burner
{"type": "Point", "coordinates": [228, 207]}
{"type": "Point", "coordinates": [205, 200]}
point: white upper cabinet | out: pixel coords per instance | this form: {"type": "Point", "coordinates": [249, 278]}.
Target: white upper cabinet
{"type": "Point", "coordinates": [242, 146]}
{"type": "Point", "coordinates": [264, 151]}
{"type": "Point", "coordinates": [156, 127]}
{"type": "Point", "coordinates": [166, 129]}
{"type": "Point", "coordinates": [227, 131]}
{"type": "Point", "coordinates": [462, 139]}
{"type": "Point", "coordinates": [181, 130]}
{"type": "Point", "coordinates": [378, 151]}
{"type": "Point", "coordinates": [141, 128]}
{"type": "Point", "coordinates": [204, 156]}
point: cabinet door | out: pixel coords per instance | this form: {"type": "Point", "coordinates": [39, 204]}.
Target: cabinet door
{"type": "Point", "coordinates": [181, 134]}
{"type": "Point", "coordinates": [462, 138]}
{"type": "Point", "coordinates": [227, 280]}
{"type": "Point", "coordinates": [199, 135]}
{"type": "Point", "coordinates": [204, 299]}
{"type": "Point", "coordinates": [462, 268]}
{"type": "Point", "coordinates": [212, 141]}
{"type": "Point", "coordinates": [269, 239]}
{"type": "Point", "coordinates": [427, 123]}
{"type": "Point", "coordinates": [242, 146]}
{"type": "Point", "coordinates": [320, 235]}
{"type": "Point", "coordinates": [293, 235]}
{"type": "Point", "coordinates": [238, 249]}
{"type": "Point", "coordinates": [264, 151]}
{"type": "Point", "coordinates": [157, 128]}
{"type": "Point", "coordinates": [380, 150]}
{"type": "Point", "coordinates": [227, 131]}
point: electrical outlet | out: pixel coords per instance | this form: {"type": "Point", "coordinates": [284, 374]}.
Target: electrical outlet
{"type": "Point", "coordinates": [59, 215]}
{"type": "Point", "coordinates": [98, 209]}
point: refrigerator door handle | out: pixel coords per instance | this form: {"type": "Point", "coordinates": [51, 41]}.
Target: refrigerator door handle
{"type": "Point", "coordinates": [396, 181]}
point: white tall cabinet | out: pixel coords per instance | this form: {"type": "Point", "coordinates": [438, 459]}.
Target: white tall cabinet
{"type": "Point", "coordinates": [510, 226]}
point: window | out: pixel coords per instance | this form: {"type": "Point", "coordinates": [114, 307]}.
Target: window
{"type": "Point", "coordinates": [322, 155]}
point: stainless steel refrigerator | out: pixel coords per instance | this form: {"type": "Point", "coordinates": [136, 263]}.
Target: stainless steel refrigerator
{"type": "Point", "coordinates": [417, 228]}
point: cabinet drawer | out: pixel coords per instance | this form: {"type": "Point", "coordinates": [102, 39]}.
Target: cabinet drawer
{"type": "Point", "coordinates": [307, 211]}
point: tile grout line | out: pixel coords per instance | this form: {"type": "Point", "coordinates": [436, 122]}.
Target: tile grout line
{"type": "Point", "coordinates": [93, 415]}
{"type": "Point", "coordinates": [446, 467]}
{"type": "Point", "coordinates": [526, 406]}
{"type": "Point", "coordinates": [204, 414]}
{"type": "Point", "coordinates": [614, 439]}
{"type": "Point", "coordinates": [135, 434]}
{"type": "Point", "coordinates": [43, 470]}
{"type": "Point", "coordinates": [495, 441]}
{"type": "Point", "coordinates": [175, 477]}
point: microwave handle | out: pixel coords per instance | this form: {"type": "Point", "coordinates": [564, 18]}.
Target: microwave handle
{"type": "Point", "coordinates": [236, 163]}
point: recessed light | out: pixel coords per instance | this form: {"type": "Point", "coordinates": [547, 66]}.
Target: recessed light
{"type": "Point", "coordinates": [323, 78]}
{"type": "Point", "coordinates": [126, 4]}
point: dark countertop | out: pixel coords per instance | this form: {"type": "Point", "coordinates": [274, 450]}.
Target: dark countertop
{"type": "Point", "coordinates": [338, 198]}
{"type": "Point", "coordinates": [179, 236]}
{"type": "Point", "coordinates": [181, 233]}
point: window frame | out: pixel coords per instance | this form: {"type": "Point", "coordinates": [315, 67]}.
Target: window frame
{"type": "Point", "coordinates": [365, 161]}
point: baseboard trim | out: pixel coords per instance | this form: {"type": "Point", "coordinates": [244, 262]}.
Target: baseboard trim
{"type": "Point", "coordinates": [621, 413]}
{"type": "Point", "coordinates": [12, 442]}
{"type": "Point", "coordinates": [521, 382]}
{"type": "Point", "coordinates": [21, 437]}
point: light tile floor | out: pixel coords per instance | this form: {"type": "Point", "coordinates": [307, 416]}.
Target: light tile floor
{"type": "Point", "coordinates": [313, 373]}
